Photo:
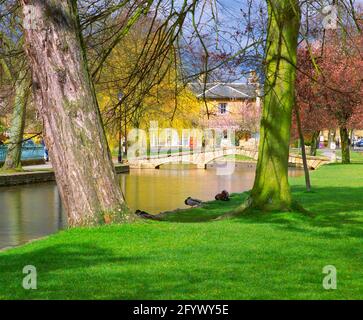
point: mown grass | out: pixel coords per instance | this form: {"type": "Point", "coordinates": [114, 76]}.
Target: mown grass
{"type": "Point", "coordinates": [191, 256]}
{"type": "Point", "coordinates": [238, 157]}
{"type": "Point", "coordinates": [11, 171]}
{"type": "Point", "coordinates": [355, 156]}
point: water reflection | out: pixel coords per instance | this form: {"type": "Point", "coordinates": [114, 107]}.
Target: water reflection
{"type": "Point", "coordinates": [165, 189]}
{"type": "Point", "coordinates": [29, 212]}
{"type": "Point", "coordinates": [32, 211]}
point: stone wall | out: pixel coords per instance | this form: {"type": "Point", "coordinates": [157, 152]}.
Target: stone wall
{"type": "Point", "coordinates": [29, 177]}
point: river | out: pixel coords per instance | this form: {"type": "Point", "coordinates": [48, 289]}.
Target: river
{"type": "Point", "coordinates": [32, 211]}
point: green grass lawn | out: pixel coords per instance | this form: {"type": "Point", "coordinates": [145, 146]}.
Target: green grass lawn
{"type": "Point", "coordinates": [355, 156]}
{"type": "Point", "coordinates": [259, 256]}
{"type": "Point", "coordinates": [238, 157]}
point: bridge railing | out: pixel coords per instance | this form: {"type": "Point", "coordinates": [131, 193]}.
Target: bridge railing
{"type": "Point", "coordinates": [194, 152]}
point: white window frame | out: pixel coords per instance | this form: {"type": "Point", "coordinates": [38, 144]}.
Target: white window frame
{"type": "Point", "coordinates": [220, 105]}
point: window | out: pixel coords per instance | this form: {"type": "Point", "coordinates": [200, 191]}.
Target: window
{"type": "Point", "coordinates": [222, 108]}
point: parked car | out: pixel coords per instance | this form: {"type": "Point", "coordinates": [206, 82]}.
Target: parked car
{"type": "Point", "coordinates": [359, 143]}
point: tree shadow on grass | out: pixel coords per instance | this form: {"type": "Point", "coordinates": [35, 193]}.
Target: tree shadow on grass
{"type": "Point", "coordinates": [67, 270]}
{"type": "Point", "coordinates": [60, 256]}
{"type": "Point", "coordinates": [337, 211]}
{"type": "Point", "coordinates": [87, 271]}
{"type": "Point", "coordinates": [208, 212]}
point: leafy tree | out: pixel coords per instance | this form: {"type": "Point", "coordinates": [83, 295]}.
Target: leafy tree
{"type": "Point", "coordinates": [313, 114]}
{"type": "Point", "coordinates": [15, 75]}
{"type": "Point", "coordinates": [341, 89]}
{"type": "Point", "coordinates": [329, 87]}
{"type": "Point", "coordinates": [21, 94]}
{"type": "Point", "coordinates": [156, 95]}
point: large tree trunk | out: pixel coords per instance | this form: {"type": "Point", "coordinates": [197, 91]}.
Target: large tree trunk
{"type": "Point", "coordinates": [314, 143]}
{"type": "Point", "coordinates": [66, 99]}
{"type": "Point", "coordinates": [271, 189]}
{"type": "Point", "coordinates": [344, 137]}
{"type": "Point", "coordinates": [13, 155]}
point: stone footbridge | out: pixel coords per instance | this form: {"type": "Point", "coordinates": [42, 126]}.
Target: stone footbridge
{"type": "Point", "coordinates": [201, 158]}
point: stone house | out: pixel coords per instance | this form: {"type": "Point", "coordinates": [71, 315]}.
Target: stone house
{"type": "Point", "coordinates": [229, 107]}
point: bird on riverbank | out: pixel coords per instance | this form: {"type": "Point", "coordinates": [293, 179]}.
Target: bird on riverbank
{"type": "Point", "coordinates": [223, 196]}
{"type": "Point", "coordinates": [192, 202]}
{"type": "Point", "coordinates": [145, 215]}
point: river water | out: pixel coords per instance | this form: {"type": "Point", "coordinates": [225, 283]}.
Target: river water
{"type": "Point", "coordinates": [31, 211]}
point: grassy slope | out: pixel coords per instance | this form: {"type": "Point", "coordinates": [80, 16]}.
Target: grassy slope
{"type": "Point", "coordinates": [355, 156]}
{"type": "Point", "coordinates": [239, 157]}
{"type": "Point", "coordinates": [262, 256]}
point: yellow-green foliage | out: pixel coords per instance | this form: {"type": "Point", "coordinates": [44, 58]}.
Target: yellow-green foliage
{"type": "Point", "coordinates": [156, 96]}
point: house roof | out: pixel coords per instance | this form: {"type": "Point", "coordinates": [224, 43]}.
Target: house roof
{"type": "Point", "coordinates": [221, 90]}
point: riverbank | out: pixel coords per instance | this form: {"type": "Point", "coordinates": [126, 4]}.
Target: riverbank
{"type": "Point", "coordinates": [190, 256]}
{"type": "Point", "coordinates": [38, 174]}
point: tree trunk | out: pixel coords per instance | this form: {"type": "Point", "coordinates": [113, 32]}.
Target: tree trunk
{"type": "Point", "coordinates": [314, 143]}
{"type": "Point", "coordinates": [303, 152]}
{"type": "Point", "coordinates": [66, 99]}
{"type": "Point", "coordinates": [271, 190]}
{"type": "Point", "coordinates": [344, 137]}
{"type": "Point", "coordinates": [13, 155]}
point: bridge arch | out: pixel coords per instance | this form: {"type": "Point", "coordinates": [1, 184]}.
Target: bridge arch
{"type": "Point", "coordinates": [203, 158]}
{"type": "Point", "coordinates": [250, 153]}
{"type": "Point", "coordinates": [157, 165]}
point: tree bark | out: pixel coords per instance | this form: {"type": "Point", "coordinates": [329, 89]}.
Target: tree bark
{"type": "Point", "coordinates": [303, 152]}
{"type": "Point", "coordinates": [13, 155]}
{"type": "Point", "coordinates": [66, 99]}
{"type": "Point", "coordinates": [344, 137]}
{"type": "Point", "coordinates": [271, 190]}
{"type": "Point", "coordinates": [314, 143]}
